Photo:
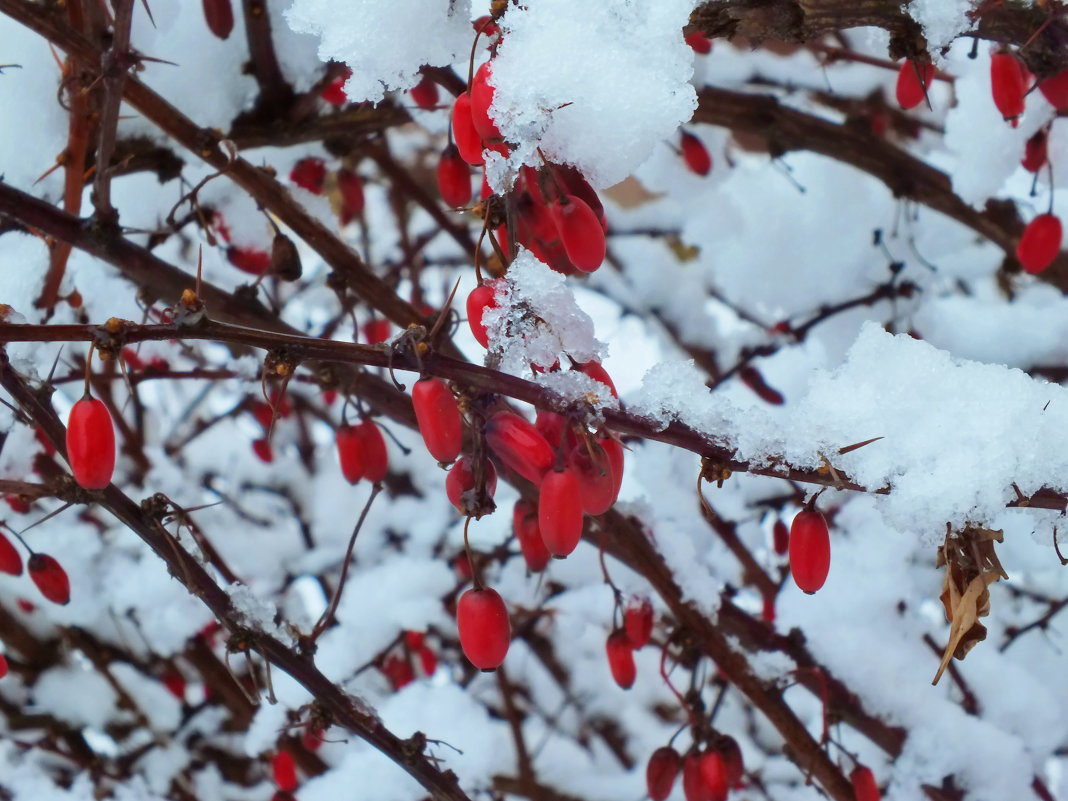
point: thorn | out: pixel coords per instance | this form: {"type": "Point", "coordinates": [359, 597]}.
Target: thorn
{"type": "Point", "coordinates": [857, 445]}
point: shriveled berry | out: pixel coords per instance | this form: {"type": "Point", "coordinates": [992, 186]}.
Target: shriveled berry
{"type": "Point", "coordinates": [50, 578]}
{"type": "Point", "coordinates": [334, 92]}
{"type": "Point", "coordinates": [580, 231]}
{"type": "Point", "coordinates": [91, 443]}
{"type": "Point", "coordinates": [661, 771]}
{"type": "Point", "coordinates": [1040, 243]}
{"type": "Point", "coordinates": [464, 132]}
{"type": "Point", "coordinates": [438, 416]}
{"type": "Point", "coordinates": [695, 154]}
{"type": "Point", "coordinates": [531, 544]}
{"type": "Point", "coordinates": [350, 452]}
{"type": "Point", "coordinates": [754, 379]}
{"type": "Point", "coordinates": [810, 550]}
{"type": "Point", "coordinates": [913, 80]}
{"type": "Point", "coordinates": [425, 94]}
{"type": "Point", "coordinates": [638, 622]}
{"type": "Point", "coordinates": [485, 631]}
{"type": "Point", "coordinates": [10, 561]}
{"type": "Point", "coordinates": [454, 178]}
{"type": "Point", "coordinates": [285, 258]}
{"type": "Point", "coordinates": [460, 481]}
{"type": "Point", "coordinates": [621, 659]}
{"type": "Point", "coordinates": [1008, 84]}
{"type": "Point", "coordinates": [310, 174]}
{"type": "Point", "coordinates": [519, 445]}
{"type": "Point", "coordinates": [285, 771]}
{"type": "Point", "coordinates": [864, 786]}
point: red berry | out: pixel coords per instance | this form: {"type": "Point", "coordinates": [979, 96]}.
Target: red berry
{"type": "Point", "coordinates": [482, 297]}
{"type": "Point", "coordinates": [525, 524]}
{"type": "Point", "coordinates": [10, 561]}
{"type": "Point", "coordinates": [714, 775]}
{"type": "Point", "coordinates": [438, 416]}
{"type": "Point", "coordinates": [560, 512]}
{"type": "Point", "coordinates": [175, 684]}
{"type": "Point", "coordinates": [460, 480]}
{"type": "Point", "coordinates": [399, 671]}
{"type": "Point", "coordinates": [615, 460]}
{"type": "Point", "coordinates": [912, 82]}
{"type": "Point", "coordinates": [519, 445]}
{"type": "Point", "coordinates": [24, 605]}
{"type": "Point", "coordinates": [334, 92]}
{"type": "Point", "coordinates": [810, 550]}
{"type": "Point", "coordinates": [693, 784]}
{"type": "Point", "coordinates": [551, 426]}
{"type": "Point", "coordinates": [695, 154]}
{"type": "Point", "coordinates": [580, 231]}
{"type": "Point", "coordinates": [376, 331]}
{"type": "Point", "coordinates": [596, 478]}
{"type": "Point", "coordinates": [1040, 243]}
{"type": "Point", "coordinates": [375, 456]}
{"type": "Point", "coordinates": [660, 772]}
{"type": "Point", "coordinates": [482, 620]}
{"type": "Point", "coordinates": [3, 666]}
{"type": "Point", "coordinates": [780, 537]}
{"type": "Point", "coordinates": [249, 260]}
{"type": "Point", "coordinates": [699, 43]}
{"type": "Point", "coordinates": [285, 771]}
{"type": "Point", "coordinates": [638, 622]}
{"type": "Point", "coordinates": [50, 578]}
{"type": "Point", "coordinates": [309, 173]}
{"type": "Point", "coordinates": [1055, 90]}
{"type": "Point", "coordinates": [219, 15]}
{"type": "Point", "coordinates": [312, 739]}
{"type": "Point", "coordinates": [425, 93]}
{"type": "Point", "coordinates": [91, 443]}
{"type": "Point", "coordinates": [767, 611]}
{"type": "Point", "coordinates": [1008, 85]}
{"type": "Point", "coordinates": [864, 786]}
{"type": "Point", "coordinates": [464, 133]}
{"type": "Point", "coordinates": [18, 505]}
{"type": "Point", "coordinates": [454, 178]}
{"type": "Point", "coordinates": [596, 371]}
{"type": "Point", "coordinates": [428, 661]}
{"type": "Point", "coordinates": [754, 379]}
{"type": "Point", "coordinates": [577, 185]}
{"type": "Point", "coordinates": [350, 187]}
{"type": "Point", "coordinates": [732, 758]}
{"type": "Point", "coordinates": [262, 448]}
{"type": "Point", "coordinates": [621, 659]}
{"type": "Point", "coordinates": [481, 99]}
{"type": "Point", "coordinates": [1036, 152]}
{"type": "Point", "coordinates": [486, 25]}
{"type": "Point", "coordinates": [349, 441]}
{"type": "Point", "coordinates": [414, 639]}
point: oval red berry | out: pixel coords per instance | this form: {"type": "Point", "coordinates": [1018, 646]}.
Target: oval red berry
{"type": "Point", "coordinates": [810, 550]}
{"type": "Point", "coordinates": [91, 443]}
{"type": "Point", "coordinates": [485, 631]}
{"type": "Point", "coordinates": [438, 416]}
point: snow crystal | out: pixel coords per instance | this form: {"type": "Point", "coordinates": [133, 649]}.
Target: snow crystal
{"type": "Point", "coordinates": [536, 320]}
{"type": "Point", "coordinates": [560, 85]}
{"type": "Point", "coordinates": [942, 20]}
{"type": "Point", "coordinates": [385, 44]}
{"type": "Point", "coordinates": [257, 613]}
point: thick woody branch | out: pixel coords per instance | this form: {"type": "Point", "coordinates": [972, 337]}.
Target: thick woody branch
{"type": "Point", "coordinates": [115, 63]}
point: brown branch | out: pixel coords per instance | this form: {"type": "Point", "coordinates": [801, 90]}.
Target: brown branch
{"type": "Point", "coordinates": [115, 64]}
{"type": "Point", "coordinates": [276, 95]}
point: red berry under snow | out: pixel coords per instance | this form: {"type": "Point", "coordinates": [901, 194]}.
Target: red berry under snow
{"type": "Point", "coordinates": [425, 94]}
{"type": "Point", "coordinates": [695, 154]}
{"type": "Point", "coordinates": [699, 43]}
{"type": "Point", "coordinates": [810, 550]}
{"type": "Point", "coordinates": [50, 578]}
{"type": "Point", "coordinates": [91, 443]}
{"type": "Point", "coordinates": [482, 297]}
{"type": "Point", "coordinates": [638, 622]}
{"type": "Point", "coordinates": [1040, 243]}
{"type": "Point", "coordinates": [485, 631]}
{"type": "Point", "coordinates": [481, 99]}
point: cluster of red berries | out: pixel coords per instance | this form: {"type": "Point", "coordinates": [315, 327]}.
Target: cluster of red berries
{"type": "Point", "coordinates": [709, 770]}
{"type": "Point", "coordinates": [623, 642]}
{"type": "Point", "coordinates": [397, 667]}
{"type": "Point", "coordinates": [310, 174]}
